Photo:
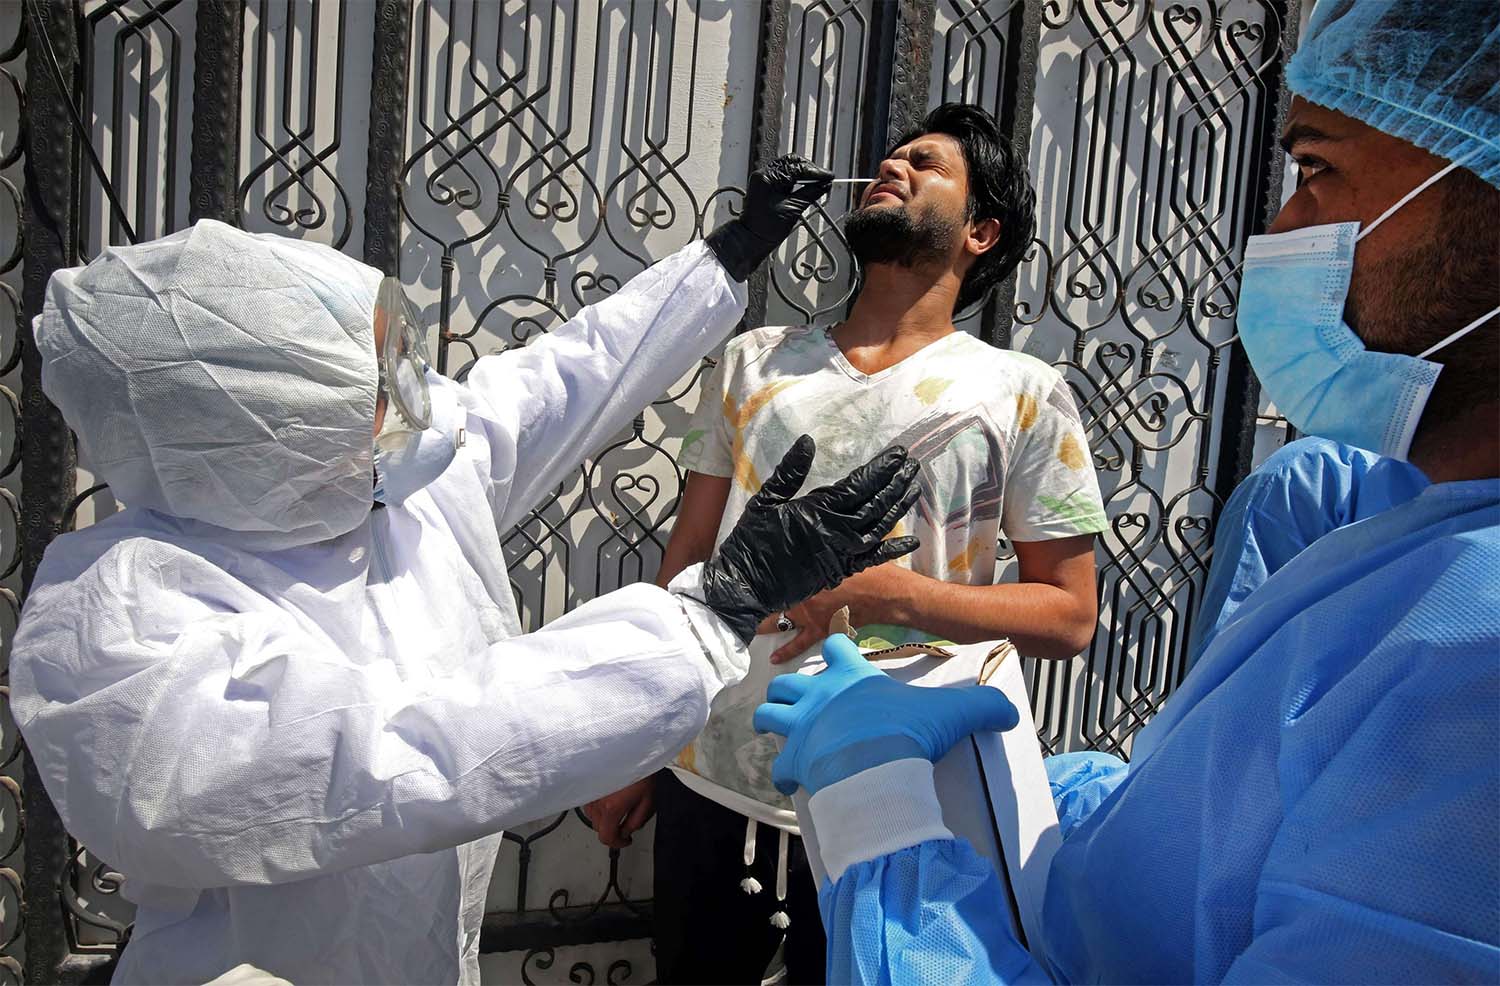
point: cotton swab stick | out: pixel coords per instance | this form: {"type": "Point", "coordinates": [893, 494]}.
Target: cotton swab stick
{"type": "Point", "coordinates": [841, 181]}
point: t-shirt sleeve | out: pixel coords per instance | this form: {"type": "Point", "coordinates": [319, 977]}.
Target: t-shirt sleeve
{"type": "Point", "coordinates": [1050, 487]}
{"type": "Point", "coordinates": [708, 446]}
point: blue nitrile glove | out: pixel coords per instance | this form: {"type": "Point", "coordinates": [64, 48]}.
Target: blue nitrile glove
{"type": "Point", "coordinates": [854, 716]}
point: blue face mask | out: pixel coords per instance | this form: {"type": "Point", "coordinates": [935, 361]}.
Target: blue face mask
{"type": "Point", "coordinates": [1312, 365]}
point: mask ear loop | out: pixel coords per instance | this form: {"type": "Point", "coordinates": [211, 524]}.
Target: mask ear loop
{"type": "Point", "coordinates": [1459, 334]}
{"type": "Point", "coordinates": [1432, 179]}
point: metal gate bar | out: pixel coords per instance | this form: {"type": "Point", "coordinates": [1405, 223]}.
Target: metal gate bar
{"type": "Point", "coordinates": [215, 175]}
{"type": "Point", "coordinates": [1237, 432]}
{"type": "Point", "coordinates": [48, 457]}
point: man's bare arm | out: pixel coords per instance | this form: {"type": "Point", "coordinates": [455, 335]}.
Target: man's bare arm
{"type": "Point", "coordinates": [1049, 613]}
{"type": "Point", "coordinates": [697, 524]}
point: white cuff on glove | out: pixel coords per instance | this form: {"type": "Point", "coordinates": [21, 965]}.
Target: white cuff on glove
{"type": "Point", "coordinates": [876, 812]}
{"type": "Point", "coordinates": [726, 653]}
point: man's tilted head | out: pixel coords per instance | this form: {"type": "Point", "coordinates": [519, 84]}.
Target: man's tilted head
{"type": "Point", "coordinates": [952, 192]}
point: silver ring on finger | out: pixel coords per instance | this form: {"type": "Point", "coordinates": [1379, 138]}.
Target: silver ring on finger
{"type": "Point", "coordinates": [784, 623]}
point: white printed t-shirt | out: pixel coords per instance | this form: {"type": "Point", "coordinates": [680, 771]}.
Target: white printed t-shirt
{"type": "Point", "coordinates": [1002, 450]}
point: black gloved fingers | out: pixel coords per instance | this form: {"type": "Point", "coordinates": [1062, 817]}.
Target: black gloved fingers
{"type": "Point", "coordinates": [888, 550]}
{"type": "Point", "coordinates": [875, 533]}
{"type": "Point", "coordinates": [888, 521]}
{"type": "Point", "coordinates": [872, 512]}
{"type": "Point", "coordinates": [789, 171]}
{"type": "Point", "coordinates": [852, 492]}
{"type": "Point", "coordinates": [892, 548]}
{"type": "Point", "coordinates": [811, 190]}
{"type": "Point", "coordinates": [775, 198]}
{"type": "Point", "coordinates": [789, 475]}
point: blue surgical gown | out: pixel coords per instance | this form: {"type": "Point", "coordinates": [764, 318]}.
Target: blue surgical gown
{"type": "Point", "coordinates": [1303, 491]}
{"type": "Point", "coordinates": [1317, 803]}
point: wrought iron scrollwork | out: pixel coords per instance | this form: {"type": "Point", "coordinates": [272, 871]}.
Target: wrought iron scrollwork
{"type": "Point", "coordinates": [560, 898]}
{"type": "Point", "coordinates": [87, 882]}
{"type": "Point", "coordinates": [617, 974]}
{"type": "Point", "coordinates": [131, 55]}
{"type": "Point", "coordinates": [1148, 161]}
{"type": "Point", "coordinates": [813, 276]}
{"type": "Point", "coordinates": [293, 187]}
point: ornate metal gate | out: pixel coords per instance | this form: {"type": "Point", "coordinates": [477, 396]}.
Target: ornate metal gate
{"type": "Point", "coordinates": [514, 160]}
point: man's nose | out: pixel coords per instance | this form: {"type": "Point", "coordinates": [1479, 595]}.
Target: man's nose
{"type": "Point", "coordinates": [1299, 211]}
{"type": "Point", "coordinates": [891, 169]}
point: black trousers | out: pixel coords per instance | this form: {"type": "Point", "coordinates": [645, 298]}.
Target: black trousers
{"type": "Point", "coordinates": [708, 930]}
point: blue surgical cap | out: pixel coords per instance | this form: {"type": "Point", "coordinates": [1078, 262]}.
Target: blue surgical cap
{"type": "Point", "coordinates": [1427, 71]}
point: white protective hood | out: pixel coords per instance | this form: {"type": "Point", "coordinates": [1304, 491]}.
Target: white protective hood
{"type": "Point", "coordinates": [300, 755]}
{"type": "Point", "coordinates": [223, 377]}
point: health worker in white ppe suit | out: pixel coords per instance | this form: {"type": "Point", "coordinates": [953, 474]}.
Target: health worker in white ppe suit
{"type": "Point", "coordinates": [1317, 801]}
{"type": "Point", "coordinates": [285, 691]}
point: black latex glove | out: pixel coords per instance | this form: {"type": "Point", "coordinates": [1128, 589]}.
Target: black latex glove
{"type": "Point", "coordinates": [784, 550]}
{"type": "Point", "coordinates": [778, 195]}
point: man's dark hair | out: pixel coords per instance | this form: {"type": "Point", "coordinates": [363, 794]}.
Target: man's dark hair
{"type": "Point", "coordinates": [999, 188]}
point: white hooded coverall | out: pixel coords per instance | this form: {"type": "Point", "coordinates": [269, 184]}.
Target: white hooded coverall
{"type": "Point", "coordinates": [295, 724]}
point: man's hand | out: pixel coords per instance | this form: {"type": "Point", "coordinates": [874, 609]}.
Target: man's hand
{"type": "Point", "coordinates": [873, 596]}
{"type": "Point", "coordinates": [616, 817]}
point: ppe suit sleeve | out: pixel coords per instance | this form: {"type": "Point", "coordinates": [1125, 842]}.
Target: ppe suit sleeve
{"type": "Point", "coordinates": [197, 747]}
{"type": "Point", "coordinates": [1384, 867]}
{"type": "Point", "coordinates": [906, 903]}
{"type": "Point", "coordinates": [1303, 491]}
{"type": "Point", "coordinates": [545, 406]}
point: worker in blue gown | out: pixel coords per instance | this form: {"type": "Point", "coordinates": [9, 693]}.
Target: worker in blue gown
{"type": "Point", "coordinates": [1318, 800]}
{"type": "Point", "coordinates": [1301, 492]}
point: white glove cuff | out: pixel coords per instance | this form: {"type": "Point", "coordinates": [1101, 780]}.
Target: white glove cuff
{"type": "Point", "coordinates": [726, 653]}
{"type": "Point", "coordinates": [876, 812]}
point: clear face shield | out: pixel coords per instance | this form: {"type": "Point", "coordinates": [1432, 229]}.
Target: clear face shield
{"type": "Point", "coordinates": [402, 362]}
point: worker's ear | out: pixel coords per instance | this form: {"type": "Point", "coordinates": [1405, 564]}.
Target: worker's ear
{"type": "Point", "coordinates": [982, 237]}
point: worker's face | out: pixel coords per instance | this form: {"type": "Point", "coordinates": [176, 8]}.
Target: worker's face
{"type": "Point", "coordinates": [916, 209]}
{"type": "Point", "coordinates": [1413, 277]}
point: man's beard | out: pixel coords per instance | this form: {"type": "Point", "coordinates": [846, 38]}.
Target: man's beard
{"type": "Point", "coordinates": [1406, 303]}
{"type": "Point", "coordinates": [892, 235]}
